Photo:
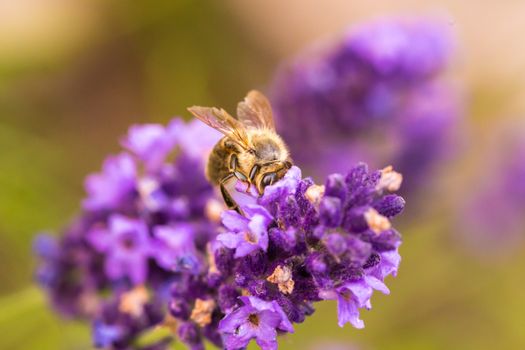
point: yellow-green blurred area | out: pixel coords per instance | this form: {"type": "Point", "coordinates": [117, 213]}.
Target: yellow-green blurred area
{"type": "Point", "coordinates": [75, 74]}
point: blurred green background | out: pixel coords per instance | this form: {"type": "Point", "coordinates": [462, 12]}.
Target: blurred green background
{"type": "Point", "coordinates": [75, 74]}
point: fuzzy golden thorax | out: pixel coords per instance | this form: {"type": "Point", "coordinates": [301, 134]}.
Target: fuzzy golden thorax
{"type": "Point", "coordinates": [266, 149]}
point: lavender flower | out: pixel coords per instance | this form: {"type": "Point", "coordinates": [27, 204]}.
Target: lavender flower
{"type": "Point", "coordinates": [247, 234]}
{"type": "Point", "coordinates": [113, 186]}
{"type": "Point", "coordinates": [325, 242]}
{"type": "Point", "coordinates": [126, 245]}
{"type": "Point", "coordinates": [70, 271]}
{"type": "Point", "coordinates": [376, 95]}
{"type": "Point", "coordinates": [174, 248]}
{"type": "Point", "coordinates": [256, 319]}
{"type": "Point", "coordinates": [153, 253]}
{"type": "Point", "coordinates": [150, 143]}
{"type": "Point", "coordinates": [117, 327]}
{"type": "Point", "coordinates": [143, 225]}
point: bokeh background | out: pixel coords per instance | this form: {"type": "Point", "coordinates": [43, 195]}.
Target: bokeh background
{"type": "Point", "coordinates": [75, 74]}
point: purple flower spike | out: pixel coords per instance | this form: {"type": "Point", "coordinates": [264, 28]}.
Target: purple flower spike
{"type": "Point", "coordinates": [144, 234]}
{"type": "Point", "coordinates": [377, 94]}
{"type": "Point", "coordinates": [149, 249]}
{"type": "Point", "coordinates": [325, 242]}
{"type": "Point", "coordinates": [246, 234]}
{"type": "Point", "coordinates": [258, 320]}
{"type": "Point", "coordinates": [127, 246]}
{"type": "Point", "coordinates": [412, 49]}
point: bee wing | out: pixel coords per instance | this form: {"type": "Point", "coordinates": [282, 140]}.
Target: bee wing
{"type": "Point", "coordinates": [221, 121]}
{"type": "Point", "coordinates": [255, 111]}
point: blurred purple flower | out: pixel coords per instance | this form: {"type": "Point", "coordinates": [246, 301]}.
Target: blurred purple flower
{"type": "Point", "coordinates": [70, 270]}
{"type": "Point", "coordinates": [150, 142]}
{"type": "Point", "coordinates": [174, 248]}
{"type": "Point", "coordinates": [47, 248]}
{"type": "Point", "coordinates": [114, 185]}
{"type": "Point", "coordinates": [376, 96]}
{"type": "Point", "coordinates": [115, 328]}
{"type": "Point", "coordinates": [491, 219]}
{"type": "Point", "coordinates": [105, 335]}
{"type": "Point", "coordinates": [126, 245]}
{"type": "Point", "coordinates": [144, 223]}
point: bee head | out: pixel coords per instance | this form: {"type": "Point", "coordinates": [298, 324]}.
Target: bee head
{"type": "Point", "coordinates": [267, 146]}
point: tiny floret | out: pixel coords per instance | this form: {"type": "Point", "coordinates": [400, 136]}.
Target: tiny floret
{"type": "Point", "coordinates": [282, 276]}
{"type": "Point", "coordinates": [390, 180]}
{"type": "Point", "coordinates": [202, 311]}
{"type": "Point", "coordinates": [314, 193]}
{"type": "Point", "coordinates": [133, 302]}
{"type": "Point", "coordinates": [377, 222]}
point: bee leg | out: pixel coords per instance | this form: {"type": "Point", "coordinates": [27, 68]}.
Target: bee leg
{"type": "Point", "coordinates": [269, 179]}
{"type": "Point", "coordinates": [233, 162]}
{"type": "Point", "coordinates": [228, 199]}
{"type": "Point", "coordinates": [238, 174]}
{"type": "Point", "coordinates": [253, 172]}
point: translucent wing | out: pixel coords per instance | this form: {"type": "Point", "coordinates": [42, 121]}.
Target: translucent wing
{"type": "Point", "coordinates": [255, 111]}
{"type": "Point", "coordinates": [221, 121]}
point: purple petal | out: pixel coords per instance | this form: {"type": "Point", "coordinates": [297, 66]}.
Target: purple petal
{"type": "Point", "coordinates": [234, 221]}
{"type": "Point", "coordinates": [100, 238]}
{"type": "Point", "coordinates": [360, 290]}
{"type": "Point", "coordinates": [138, 271]}
{"type": "Point", "coordinates": [244, 248]}
{"type": "Point", "coordinates": [230, 240]}
{"type": "Point", "coordinates": [234, 319]}
{"type": "Point", "coordinates": [265, 332]}
{"type": "Point", "coordinates": [377, 284]}
{"type": "Point", "coordinates": [117, 179]}
{"type": "Point", "coordinates": [285, 324]}
{"type": "Point", "coordinates": [257, 303]}
{"type": "Point", "coordinates": [177, 237]}
{"type": "Point", "coordinates": [389, 263]}
{"type": "Point", "coordinates": [267, 344]}
{"type": "Point", "coordinates": [114, 268]}
{"type": "Point", "coordinates": [269, 318]}
{"type": "Point", "coordinates": [142, 139]}
{"type": "Point", "coordinates": [257, 227]}
{"type": "Point", "coordinates": [253, 210]}
{"type": "Point", "coordinates": [347, 311]}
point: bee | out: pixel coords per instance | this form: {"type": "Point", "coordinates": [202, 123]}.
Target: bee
{"type": "Point", "coordinates": [250, 151]}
